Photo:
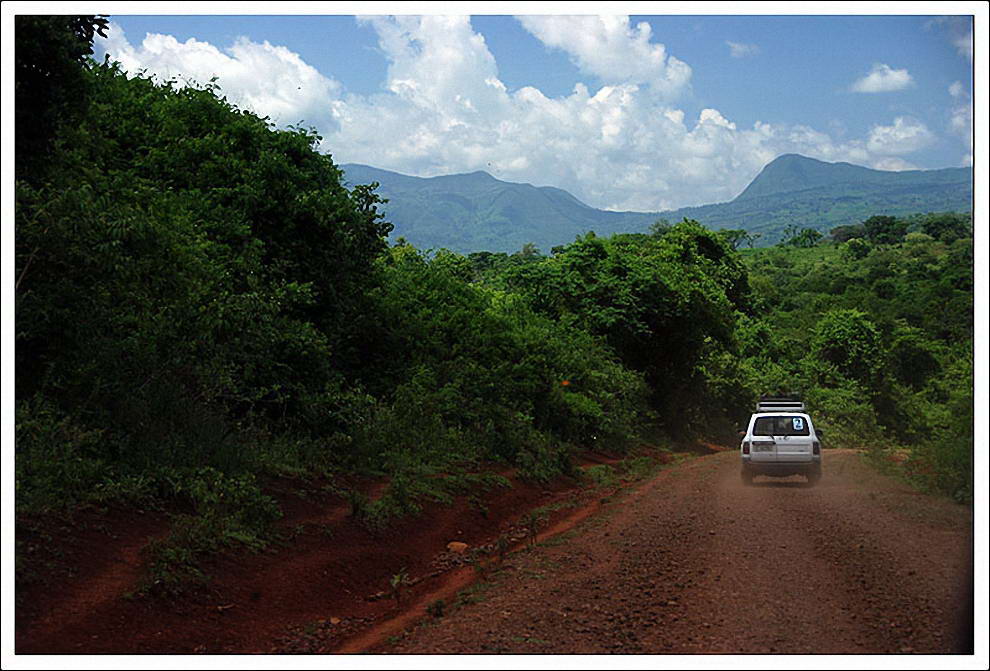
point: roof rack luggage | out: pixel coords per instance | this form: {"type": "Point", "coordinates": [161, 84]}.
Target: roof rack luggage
{"type": "Point", "coordinates": [789, 403]}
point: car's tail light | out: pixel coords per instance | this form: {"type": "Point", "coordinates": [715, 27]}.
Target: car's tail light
{"type": "Point", "coordinates": [745, 447]}
{"type": "Point", "coordinates": [816, 447]}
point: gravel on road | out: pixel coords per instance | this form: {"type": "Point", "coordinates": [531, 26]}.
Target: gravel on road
{"type": "Point", "coordinates": [694, 561]}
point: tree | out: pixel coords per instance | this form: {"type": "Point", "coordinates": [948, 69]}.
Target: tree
{"type": "Point", "coordinates": [805, 237]}
{"type": "Point", "coordinates": [850, 342]}
{"type": "Point", "coordinates": [659, 301]}
{"type": "Point", "coordinates": [49, 87]}
{"type": "Point", "coordinates": [884, 230]}
{"type": "Point", "coordinates": [752, 239]}
{"type": "Point", "coordinates": [948, 226]}
{"type": "Point", "coordinates": [808, 237]}
{"type": "Point", "coordinates": [458, 357]}
{"type": "Point", "coordinates": [181, 251]}
{"type": "Point", "coordinates": [912, 357]}
{"type": "Point", "coordinates": [659, 227]}
{"type": "Point", "coordinates": [847, 232]}
{"type": "Point", "coordinates": [528, 251]}
{"type": "Point", "coordinates": [856, 249]}
{"type": "Point", "coordinates": [735, 236]}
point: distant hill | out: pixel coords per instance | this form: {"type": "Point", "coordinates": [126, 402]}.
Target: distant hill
{"type": "Point", "coordinates": [475, 211]}
{"type": "Point", "coordinates": [806, 192]}
{"type": "Point", "coordinates": [792, 173]}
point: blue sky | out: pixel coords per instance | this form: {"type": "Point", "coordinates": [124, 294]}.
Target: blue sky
{"type": "Point", "coordinates": [626, 112]}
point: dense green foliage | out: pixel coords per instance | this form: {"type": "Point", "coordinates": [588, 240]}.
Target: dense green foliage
{"type": "Point", "coordinates": [510, 383]}
{"type": "Point", "coordinates": [49, 88]}
{"type": "Point", "coordinates": [198, 290]}
{"type": "Point", "coordinates": [877, 332]}
{"type": "Point", "coordinates": [202, 302]}
{"type": "Point", "coordinates": [661, 302]}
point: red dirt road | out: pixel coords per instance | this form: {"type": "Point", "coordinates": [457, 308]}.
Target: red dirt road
{"type": "Point", "coordinates": [690, 561]}
{"type": "Point", "coordinates": [695, 562]}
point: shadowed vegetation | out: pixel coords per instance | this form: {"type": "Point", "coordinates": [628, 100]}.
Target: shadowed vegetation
{"type": "Point", "coordinates": [202, 303]}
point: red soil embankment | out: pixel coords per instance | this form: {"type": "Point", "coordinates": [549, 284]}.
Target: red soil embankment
{"type": "Point", "coordinates": [319, 587]}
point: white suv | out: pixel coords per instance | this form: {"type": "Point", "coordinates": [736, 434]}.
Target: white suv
{"type": "Point", "coordinates": [779, 443]}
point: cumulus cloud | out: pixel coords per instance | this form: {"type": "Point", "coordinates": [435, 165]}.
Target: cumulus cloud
{"type": "Point", "coordinates": [609, 48]}
{"type": "Point", "coordinates": [905, 136]}
{"type": "Point", "coordinates": [266, 79]}
{"type": "Point", "coordinates": [958, 30]}
{"type": "Point", "coordinates": [443, 109]}
{"type": "Point", "coordinates": [882, 79]}
{"type": "Point", "coordinates": [740, 50]}
{"type": "Point", "coordinates": [964, 44]}
{"type": "Point", "coordinates": [961, 118]}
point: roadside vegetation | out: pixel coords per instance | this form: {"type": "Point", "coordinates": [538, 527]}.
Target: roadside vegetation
{"type": "Point", "coordinates": [874, 324]}
{"type": "Point", "coordinates": [201, 305]}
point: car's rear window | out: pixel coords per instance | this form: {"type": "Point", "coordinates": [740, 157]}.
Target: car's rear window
{"type": "Point", "coordinates": [783, 425]}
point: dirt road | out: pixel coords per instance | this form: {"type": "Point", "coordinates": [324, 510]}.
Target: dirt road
{"type": "Point", "coordinates": [696, 562]}
{"type": "Point", "coordinates": [688, 561]}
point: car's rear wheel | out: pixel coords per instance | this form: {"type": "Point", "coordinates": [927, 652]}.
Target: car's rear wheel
{"type": "Point", "coordinates": [747, 477]}
{"type": "Point", "coordinates": [814, 476]}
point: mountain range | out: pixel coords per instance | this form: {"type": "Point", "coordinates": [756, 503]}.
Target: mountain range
{"type": "Point", "coordinates": [477, 212]}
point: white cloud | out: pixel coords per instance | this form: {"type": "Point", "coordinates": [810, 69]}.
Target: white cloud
{"type": "Point", "coordinates": [961, 119]}
{"type": "Point", "coordinates": [904, 137]}
{"type": "Point", "coordinates": [266, 79]}
{"type": "Point", "coordinates": [712, 116]}
{"type": "Point", "coordinates": [964, 44]}
{"type": "Point", "coordinates": [958, 30]}
{"type": "Point", "coordinates": [893, 163]}
{"type": "Point", "coordinates": [740, 50]}
{"type": "Point", "coordinates": [882, 79]}
{"type": "Point", "coordinates": [443, 109]}
{"type": "Point", "coordinates": [609, 48]}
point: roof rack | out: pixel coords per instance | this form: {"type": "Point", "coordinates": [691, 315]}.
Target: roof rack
{"type": "Point", "coordinates": [785, 403]}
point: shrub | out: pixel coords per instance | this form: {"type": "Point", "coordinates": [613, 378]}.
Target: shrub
{"type": "Point", "coordinates": [229, 512]}
{"type": "Point", "coordinates": [847, 415]}
{"type": "Point", "coordinates": [57, 461]}
{"type": "Point", "coordinates": [848, 341]}
{"type": "Point", "coordinates": [602, 475]}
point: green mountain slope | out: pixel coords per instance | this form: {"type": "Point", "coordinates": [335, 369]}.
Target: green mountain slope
{"type": "Point", "coordinates": [475, 211]}
{"type": "Point", "coordinates": [792, 173]}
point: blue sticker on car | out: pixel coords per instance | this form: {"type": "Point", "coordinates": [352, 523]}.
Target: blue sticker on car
{"type": "Point", "coordinates": [798, 423]}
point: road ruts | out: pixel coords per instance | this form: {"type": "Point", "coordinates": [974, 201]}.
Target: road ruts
{"type": "Point", "coordinates": [695, 562]}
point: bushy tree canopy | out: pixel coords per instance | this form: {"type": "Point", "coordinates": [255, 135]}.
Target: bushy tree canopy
{"type": "Point", "coordinates": [948, 226]}
{"type": "Point", "coordinates": [848, 340]}
{"type": "Point", "coordinates": [49, 84]}
{"type": "Point", "coordinates": [884, 230]}
{"type": "Point", "coordinates": [657, 300]}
